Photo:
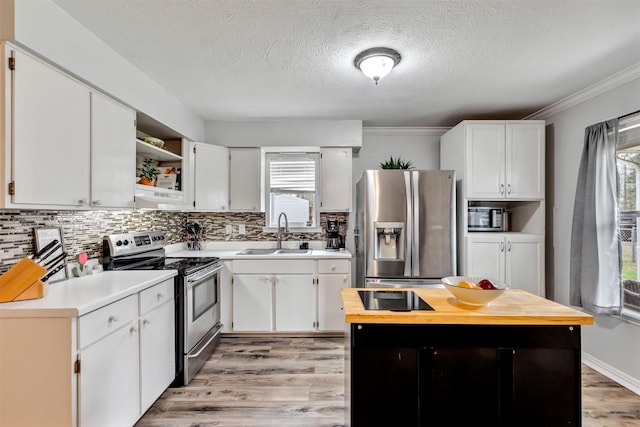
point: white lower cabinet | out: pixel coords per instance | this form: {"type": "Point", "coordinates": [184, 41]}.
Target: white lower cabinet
{"type": "Point", "coordinates": [294, 302]}
{"type": "Point", "coordinates": [108, 379]}
{"type": "Point", "coordinates": [517, 259]}
{"type": "Point", "coordinates": [252, 302]}
{"type": "Point", "coordinates": [330, 308]}
{"type": "Point", "coordinates": [133, 360]}
{"type": "Point", "coordinates": [157, 342]}
{"type": "Point", "coordinates": [333, 275]}
{"type": "Point", "coordinates": [287, 296]}
{"type": "Point", "coordinates": [104, 368]}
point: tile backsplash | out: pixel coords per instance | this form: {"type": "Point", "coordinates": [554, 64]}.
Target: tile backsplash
{"type": "Point", "coordinates": [82, 231]}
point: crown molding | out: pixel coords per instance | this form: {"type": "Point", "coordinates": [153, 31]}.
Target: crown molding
{"type": "Point", "coordinates": [406, 131]}
{"type": "Point", "coordinates": [603, 86]}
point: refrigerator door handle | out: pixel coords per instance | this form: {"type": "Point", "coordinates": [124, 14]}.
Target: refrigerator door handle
{"type": "Point", "coordinates": [408, 238]}
{"type": "Point", "coordinates": [415, 246]}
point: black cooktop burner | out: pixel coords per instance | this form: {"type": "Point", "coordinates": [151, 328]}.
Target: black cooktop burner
{"type": "Point", "coordinates": [392, 300]}
{"type": "Point", "coordinates": [188, 265]}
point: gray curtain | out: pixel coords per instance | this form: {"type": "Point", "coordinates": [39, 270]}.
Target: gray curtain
{"type": "Point", "coordinates": [595, 250]}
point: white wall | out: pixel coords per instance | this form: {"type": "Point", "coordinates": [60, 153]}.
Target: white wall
{"type": "Point", "coordinates": [611, 345]}
{"type": "Point", "coordinates": [315, 133]}
{"type": "Point", "coordinates": [46, 29]}
{"type": "Point", "coordinates": [421, 146]}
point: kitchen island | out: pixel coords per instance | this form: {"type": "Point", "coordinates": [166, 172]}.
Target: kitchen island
{"type": "Point", "coordinates": [516, 361]}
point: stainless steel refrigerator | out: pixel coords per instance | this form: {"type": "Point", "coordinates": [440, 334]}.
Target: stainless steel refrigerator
{"type": "Point", "coordinates": [405, 228]}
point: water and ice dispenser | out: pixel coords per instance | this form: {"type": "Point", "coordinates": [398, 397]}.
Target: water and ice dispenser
{"type": "Point", "coordinates": [390, 241]}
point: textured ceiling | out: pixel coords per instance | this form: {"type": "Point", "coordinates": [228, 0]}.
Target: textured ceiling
{"type": "Point", "coordinates": [293, 59]}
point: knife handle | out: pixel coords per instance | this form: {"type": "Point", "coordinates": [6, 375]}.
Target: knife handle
{"type": "Point", "coordinates": [52, 273]}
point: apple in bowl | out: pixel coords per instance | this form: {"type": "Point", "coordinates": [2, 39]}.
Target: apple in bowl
{"type": "Point", "coordinates": [474, 290]}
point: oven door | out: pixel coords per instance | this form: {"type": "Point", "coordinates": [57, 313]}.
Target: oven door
{"type": "Point", "coordinates": [202, 307]}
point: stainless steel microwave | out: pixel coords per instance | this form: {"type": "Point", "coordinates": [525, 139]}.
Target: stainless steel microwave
{"type": "Point", "coordinates": [484, 219]}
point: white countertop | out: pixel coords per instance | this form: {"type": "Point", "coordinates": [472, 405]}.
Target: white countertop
{"type": "Point", "coordinates": [80, 295]}
{"type": "Point", "coordinates": [229, 251]}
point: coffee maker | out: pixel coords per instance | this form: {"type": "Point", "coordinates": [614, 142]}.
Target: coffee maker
{"type": "Point", "coordinates": [333, 235]}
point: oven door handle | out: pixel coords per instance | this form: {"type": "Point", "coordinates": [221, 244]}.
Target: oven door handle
{"type": "Point", "coordinates": [200, 275]}
{"type": "Point", "coordinates": [205, 345]}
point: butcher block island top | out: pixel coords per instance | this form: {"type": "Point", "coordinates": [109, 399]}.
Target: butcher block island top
{"type": "Point", "coordinates": [513, 307]}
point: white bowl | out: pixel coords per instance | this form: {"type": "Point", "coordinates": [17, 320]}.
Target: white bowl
{"type": "Point", "coordinates": [473, 296]}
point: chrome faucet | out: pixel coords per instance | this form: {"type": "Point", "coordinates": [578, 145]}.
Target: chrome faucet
{"type": "Point", "coordinates": [286, 228]}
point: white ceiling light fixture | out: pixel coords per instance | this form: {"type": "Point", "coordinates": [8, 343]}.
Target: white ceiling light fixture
{"type": "Point", "coordinates": [377, 62]}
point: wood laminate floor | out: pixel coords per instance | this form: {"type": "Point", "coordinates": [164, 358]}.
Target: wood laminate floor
{"type": "Point", "coordinates": [255, 382]}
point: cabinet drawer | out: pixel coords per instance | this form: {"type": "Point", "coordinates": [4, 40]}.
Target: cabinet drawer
{"type": "Point", "coordinates": [105, 320]}
{"type": "Point", "coordinates": [328, 266]}
{"type": "Point", "coordinates": [270, 266]}
{"type": "Point", "coordinates": [154, 296]}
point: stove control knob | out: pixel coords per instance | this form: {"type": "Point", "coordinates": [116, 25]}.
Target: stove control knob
{"type": "Point", "coordinates": [119, 243]}
{"type": "Point", "coordinates": [126, 242]}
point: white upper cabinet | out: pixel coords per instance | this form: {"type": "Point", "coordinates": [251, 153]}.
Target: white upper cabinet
{"type": "Point", "coordinates": [113, 153]}
{"type": "Point", "coordinates": [211, 177]}
{"type": "Point", "coordinates": [505, 161]}
{"type": "Point", "coordinates": [245, 179]}
{"type": "Point", "coordinates": [51, 133]}
{"type": "Point", "coordinates": [335, 169]}
{"type": "Point", "coordinates": [66, 146]}
{"type": "Point", "coordinates": [525, 160]}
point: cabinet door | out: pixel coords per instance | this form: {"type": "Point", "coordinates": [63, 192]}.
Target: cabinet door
{"type": "Point", "coordinates": [465, 373]}
{"type": "Point", "coordinates": [335, 167]}
{"type": "Point", "coordinates": [295, 302]}
{"type": "Point", "coordinates": [485, 146]}
{"type": "Point", "coordinates": [525, 263]}
{"type": "Point", "coordinates": [524, 165]}
{"type": "Point", "coordinates": [109, 381]}
{"type": "Point", "coordinates": [113, 153]}
{"type": "Point", "coordinates": [157, 353]}
{"type": "Point", "coordinates": [330, 308]}
{"type": "Point", "coordinates": [51, 125]}
{"type": "Point", "coordinates": [485, 256]}
{"type": "Point", "coordinates": [252, 302]}
{"type": "Point", "coordinates": [546, 387]}
{"type": "Point", "coordinates": [245, 178]}
{"type": "Point", "coordinates": [390, 377]}
{"type": "Point", "coordinates": [211, 191]}
{"type": "Point", "coordinates": [226, 297]}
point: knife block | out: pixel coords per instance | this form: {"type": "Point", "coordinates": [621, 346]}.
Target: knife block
{"type": "Point", "coordinates": [22, 281]}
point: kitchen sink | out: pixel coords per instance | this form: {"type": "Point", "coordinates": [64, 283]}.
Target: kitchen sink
{"type": "Point", "coordinates": [273, 251]}
{"type": "Point", "coordinates": [257, 251]}
{"type": "Point", "coordinates": [293, 251]}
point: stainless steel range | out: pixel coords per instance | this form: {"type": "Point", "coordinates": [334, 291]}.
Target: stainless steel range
{"type": "Point", "coordinates": [197, 293]}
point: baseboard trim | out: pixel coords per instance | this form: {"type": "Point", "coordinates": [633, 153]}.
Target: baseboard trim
{"type": "Point", "coordinates": [612, 373]}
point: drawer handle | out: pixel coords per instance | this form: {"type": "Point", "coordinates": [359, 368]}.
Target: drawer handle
{"type": "Point", "coordinates": [133, 329]}
{"type": "Point", "coordinates": [146, 321]}
{"type": "Point", "coordinates": [160, 295]}
{"type": "Point", "coordinates": [333, 267]}
{"type": "Point", "coordinates": [112, 318]}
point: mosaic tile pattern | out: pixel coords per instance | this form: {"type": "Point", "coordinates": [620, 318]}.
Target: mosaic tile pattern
{"type": "Point", "coordinates": [214, 224]}
{"type": "Point", "coordinates": [82, 231]}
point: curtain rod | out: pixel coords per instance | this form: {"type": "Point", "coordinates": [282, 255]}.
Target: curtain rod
{"type": "Point", "coordinates": [630, 114]}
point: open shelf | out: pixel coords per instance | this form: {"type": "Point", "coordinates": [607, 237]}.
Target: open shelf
{"type": "Point", "coordinates": [155, 153]}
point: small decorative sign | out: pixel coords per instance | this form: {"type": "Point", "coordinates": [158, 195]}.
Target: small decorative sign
{"type": "Point", "coordinates": [166, 180]}
{"type": "Point", "coordinates": [45, 235]}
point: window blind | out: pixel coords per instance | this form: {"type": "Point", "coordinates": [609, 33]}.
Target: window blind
{"type": "Point", "coordinates": [292, 175]}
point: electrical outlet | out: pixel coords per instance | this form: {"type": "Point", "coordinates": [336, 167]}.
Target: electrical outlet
{"type": "Point", "coordinates": [241, 229]}
{"type": "Point", "coordinates": [229, 229]}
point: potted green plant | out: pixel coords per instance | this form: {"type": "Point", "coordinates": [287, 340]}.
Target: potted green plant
{"type": "Point", "coordinates": [396, 164]}
{"type": "Point", "coordinates": [148, 172]}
